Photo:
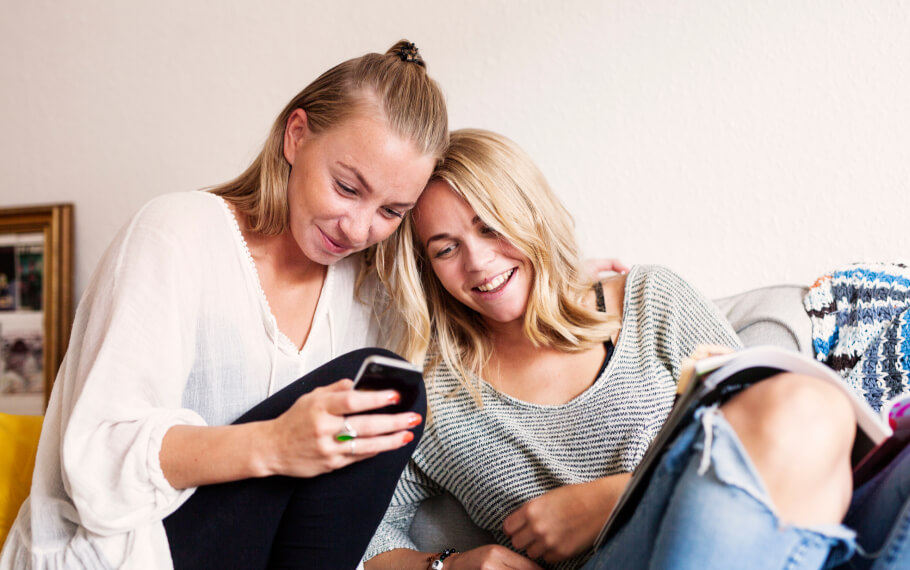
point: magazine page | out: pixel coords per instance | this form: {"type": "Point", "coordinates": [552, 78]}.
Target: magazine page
{"type": "Point", "coordinates": [868, 422]}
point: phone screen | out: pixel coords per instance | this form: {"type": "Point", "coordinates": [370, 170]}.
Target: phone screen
{"type": "Point", "coordinates": [381, 373]}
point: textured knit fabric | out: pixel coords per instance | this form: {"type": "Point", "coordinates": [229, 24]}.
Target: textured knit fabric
{"type": "Point", "coordinates": [173, 329]}
{"type": "Point", "coordinates": [496, 458]}
{"type": "Point", "coordinates": [860, 319]}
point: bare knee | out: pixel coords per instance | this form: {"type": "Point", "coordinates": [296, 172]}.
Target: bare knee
{"type": "Point", "coordinates": [798, 431]}
{"type": "Point", "coordinates": [793, 410]}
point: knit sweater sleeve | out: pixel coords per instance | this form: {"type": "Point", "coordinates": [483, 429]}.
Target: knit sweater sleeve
{"type": "Point", "coordinates": [667, 319]}
{"type": "Point", "coordinates": [682, 318]}
{"type": "Point", "coordinates": [414, 487]}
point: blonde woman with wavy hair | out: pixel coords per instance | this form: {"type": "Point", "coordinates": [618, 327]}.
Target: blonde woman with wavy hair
{"type": "Point", "coordinates": [523, 210]}
{"type": "Point", "coordinates": [204, 415]}
{"type": "Point", "coordinates": [545, 389]}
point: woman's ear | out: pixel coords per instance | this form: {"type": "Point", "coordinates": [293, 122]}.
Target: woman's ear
{"type": "Point", "coordinates": [296, 131]}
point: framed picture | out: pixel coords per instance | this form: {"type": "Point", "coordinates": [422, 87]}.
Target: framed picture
{"type": "Point", "coordinates": [36, 302]}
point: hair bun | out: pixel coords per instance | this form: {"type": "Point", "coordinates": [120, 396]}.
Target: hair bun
{"type": "Point", "coordinates": [407, 52]}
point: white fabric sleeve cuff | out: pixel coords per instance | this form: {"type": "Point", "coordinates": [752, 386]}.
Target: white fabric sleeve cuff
{"type": "Point", "coordinates": [166, 493]}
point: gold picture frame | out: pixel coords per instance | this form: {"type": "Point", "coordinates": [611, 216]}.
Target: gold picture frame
{"type": "Point", "coordinates": [36, 302]}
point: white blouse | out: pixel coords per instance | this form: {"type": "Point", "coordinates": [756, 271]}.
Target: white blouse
{"type": "Point", "coordinates": [173, 329]}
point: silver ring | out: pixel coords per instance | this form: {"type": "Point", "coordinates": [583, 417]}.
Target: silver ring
{"type": "Point", "coordinates": [353, 442]}
{"type": "Point", "coordinates": [347, 433]}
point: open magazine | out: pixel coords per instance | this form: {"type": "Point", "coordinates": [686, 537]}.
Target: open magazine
{"type": "Point", "coordinates": [717, 378]}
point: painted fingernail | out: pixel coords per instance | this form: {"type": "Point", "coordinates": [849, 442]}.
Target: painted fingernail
{"type": "Point", "coordinates": [408, 437]}
{"type": "Point", "coordinates": [395, 398]}
{"type": "Point", "coordinates": [414, 420]}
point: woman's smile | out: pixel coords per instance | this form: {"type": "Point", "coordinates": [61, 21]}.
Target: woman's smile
{"type": "Point", "coordinates": [473, 262]}
{"type": "Point", "coordinates": [348, 187]}
{"type": "Point", "coordinates": [496, 284]}
{"type": "Point", "coordinates": [336, 246]}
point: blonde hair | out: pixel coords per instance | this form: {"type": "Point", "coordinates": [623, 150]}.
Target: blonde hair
{"type": "Point", "coordinates": [397, 81]}
{"type": "Point", "coordinates": [510, 194]}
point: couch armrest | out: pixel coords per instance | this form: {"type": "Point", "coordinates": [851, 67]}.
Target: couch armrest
{"type": "Point", "coordinates": [770, 315]}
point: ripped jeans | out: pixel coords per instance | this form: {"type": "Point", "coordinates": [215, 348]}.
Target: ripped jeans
{"type": "Point", "coordinates": [706, 507]}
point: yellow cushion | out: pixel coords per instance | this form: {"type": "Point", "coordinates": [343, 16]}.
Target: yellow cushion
{"type": "Point", "coordinates": [19, 435]}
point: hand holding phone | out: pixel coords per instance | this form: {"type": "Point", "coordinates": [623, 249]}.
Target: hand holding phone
{"type": "Point", "coordinates": [384, 373]}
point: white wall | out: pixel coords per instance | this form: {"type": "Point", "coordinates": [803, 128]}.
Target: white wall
{"type": "Point", "coordinates": [744, 143]}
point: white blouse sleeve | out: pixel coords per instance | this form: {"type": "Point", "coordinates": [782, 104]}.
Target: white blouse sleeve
{"type": "Point", "coordinates": [123, 377]}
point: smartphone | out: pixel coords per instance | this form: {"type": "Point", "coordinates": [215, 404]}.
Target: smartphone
{"type": "Point", "coordinates": [384, 373]}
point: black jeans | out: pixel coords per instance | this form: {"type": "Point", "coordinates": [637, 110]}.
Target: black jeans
{"type": "Point", "coordinates": [323, 522]}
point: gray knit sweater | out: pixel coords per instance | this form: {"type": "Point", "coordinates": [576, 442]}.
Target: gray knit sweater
{"type": "Point", "coordinates": [495, 458]}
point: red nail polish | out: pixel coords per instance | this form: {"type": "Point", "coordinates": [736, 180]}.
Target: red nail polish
{"type": "Point", "coordinates": [395, 398]}
{"type": "Point", "coordinates": [408, 437]}
{"type": "Point", "coordinates": [414, 420]}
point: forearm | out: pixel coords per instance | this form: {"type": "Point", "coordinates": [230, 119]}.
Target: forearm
{"type": "Point", "coordinates": [565, 521]}
{"type": "Point", "coordinates": [203, 455]}
{"type": "Point", "coordinates": [609, 489]}
{"type": "Point", "coordinates": [400, 558]}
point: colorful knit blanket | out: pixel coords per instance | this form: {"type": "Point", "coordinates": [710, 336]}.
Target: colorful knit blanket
{"type": "Point", "coordinates": [861, 327]}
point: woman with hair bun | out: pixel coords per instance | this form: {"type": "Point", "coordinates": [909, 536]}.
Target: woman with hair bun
{"type": "Point", "coordinates": [203, 415]}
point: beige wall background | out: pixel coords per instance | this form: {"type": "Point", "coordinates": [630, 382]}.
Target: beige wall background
{"type": "Point", "coordinates": [741, 143]}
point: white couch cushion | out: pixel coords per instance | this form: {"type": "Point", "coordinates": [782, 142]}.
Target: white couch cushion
{"type": "Point", "coordinates": [770, 315]}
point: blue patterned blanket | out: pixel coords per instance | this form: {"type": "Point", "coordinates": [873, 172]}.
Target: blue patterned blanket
{"type": "Point", "coordinates": [861, 327]}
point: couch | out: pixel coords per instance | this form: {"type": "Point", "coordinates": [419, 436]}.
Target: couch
{"type": "Point", "coordinates": [18, 445]}
{"type": "Point", "coordinates": [768, 315]}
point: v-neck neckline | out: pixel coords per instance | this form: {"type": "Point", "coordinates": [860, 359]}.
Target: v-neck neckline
{"type": "Point", "coordinates": [284, 342]}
